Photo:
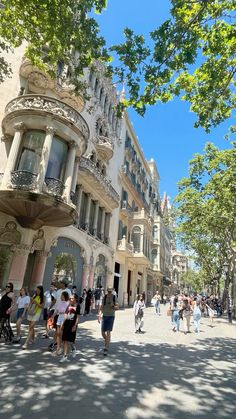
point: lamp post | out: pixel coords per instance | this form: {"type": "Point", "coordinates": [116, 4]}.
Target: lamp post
{"type": "Point", "coordinates": [228, 297]}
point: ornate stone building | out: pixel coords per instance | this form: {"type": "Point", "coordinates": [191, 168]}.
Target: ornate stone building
{"type": "Point", "coordinates": [59, 192]}
{"type": "Point", "coordinates": [74, 181]}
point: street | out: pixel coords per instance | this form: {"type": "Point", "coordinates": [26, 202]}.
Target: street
{"type": "Point", "coordinates": [159, 374]}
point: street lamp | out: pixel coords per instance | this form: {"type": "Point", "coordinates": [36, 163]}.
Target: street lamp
{"type": "Point", "coordinates": [229, 301]}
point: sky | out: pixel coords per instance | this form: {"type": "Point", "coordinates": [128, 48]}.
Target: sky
{"type": "Point", "coordinates": [166, 132]}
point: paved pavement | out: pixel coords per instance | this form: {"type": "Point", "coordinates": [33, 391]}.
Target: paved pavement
{"type": "Point", "coordinates": [160, 374]}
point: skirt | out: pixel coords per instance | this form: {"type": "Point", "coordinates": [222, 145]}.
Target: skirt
{"type": "Point", "coordinates": [67, 334]}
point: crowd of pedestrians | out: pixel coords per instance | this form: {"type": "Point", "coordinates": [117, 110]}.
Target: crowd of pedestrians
{"type": "Point", "coordinates": [60, 307]}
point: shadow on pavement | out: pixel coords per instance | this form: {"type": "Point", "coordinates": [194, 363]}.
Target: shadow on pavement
{"type": "Point", "coordinates": [135, 381]}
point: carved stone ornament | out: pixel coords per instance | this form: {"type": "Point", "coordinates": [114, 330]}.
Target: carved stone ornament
{"type": "Point", "coordinates": [39, 241]}
{"type": "Point", "coordinates": [50, 105]}
{"type": "Point", "coordinates": [38, 79]}
{"type": "Point", "coordinates": [9, 234]}
{"type": "Point", "coordinates": [22, 249]}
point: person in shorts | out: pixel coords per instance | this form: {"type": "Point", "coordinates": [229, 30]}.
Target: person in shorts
{"type": "Point", "coordinates": [98, 296]}
{"type": "Point", "coordinates": [106, 316]}
{"type": "Point", "coordinates": [22, 304]}
{"type": "Point", "coordinates": [69, 327]}
{"type": "Point", "coordinates": [49, 298]}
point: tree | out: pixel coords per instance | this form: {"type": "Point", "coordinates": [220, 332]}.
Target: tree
{"type": "Point", "coordinates": [192, 280]}
{"type": "Point", "coordinates": [66, 263]}
{"type": "Point", "coordinates": [206, 207]}
{"type": "Point", "coordinates": [191, 55]}
{"type": "Point", "coordinates": [53, 30]}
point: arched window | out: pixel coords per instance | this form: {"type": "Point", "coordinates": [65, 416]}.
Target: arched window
{"type": "Point", "coordinates": [96, 87]}
{"type": "Point", "coordinates": [103, 171]}
{"type": "Point", "coordinates": [106, 105]}
{"type": "Point", "coordinates": [135, 238]}
{"type": "Point", "coordinates": [93, 156]}
{"type": "Point", "coordinates": [101, 95]}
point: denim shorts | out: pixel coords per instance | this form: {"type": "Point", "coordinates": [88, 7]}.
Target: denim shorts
{"type": "Point", "coordinates": [107, 323]}
{"type": "Point", "coordinates": [19, 313]}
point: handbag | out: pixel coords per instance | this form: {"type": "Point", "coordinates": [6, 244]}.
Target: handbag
{"type": "Point", "coordinates": [32, 309]}
{"type": "Point", "coordinates": [169, 312]}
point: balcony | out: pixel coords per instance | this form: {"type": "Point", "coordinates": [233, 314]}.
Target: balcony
{"type": "Point", "coordinates": [126, 209]}
{"type": "Point", "coordinates": [92, 175]}
{"type": "Point", "coordinates": [32, 208]}
{"type": "Point", "coordinates": [124, 247]}
{"type": "Point", "coordinates": [132, 180]}
{"type": "Point", "coordinates": [32, 109]}
{"type": "Point", "coordinates": [104, 147]}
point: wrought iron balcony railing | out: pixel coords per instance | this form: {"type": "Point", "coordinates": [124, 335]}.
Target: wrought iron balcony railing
{"type": "Point", "coordinates": [23, 179]}
{"type": "Point", "coordinates": [54, 186]}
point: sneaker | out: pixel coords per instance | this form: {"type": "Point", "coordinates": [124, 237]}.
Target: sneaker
{"type": "Point", "coordinates": [105, 351]}
{"type": "Point", "coordinates": [73, 353]}
{"type": "Point", "coordinates": [45, 336]}
{"type": "Point", "coordinates": [64, 359]}
{"type": "Point", "coordinates": [25, 346]}
{"type": "Point", "coordinates": [16, 339]}
{"type": "Point", "coordinates": [52, 346]}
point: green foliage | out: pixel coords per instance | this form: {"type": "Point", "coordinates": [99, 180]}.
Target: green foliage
{"type": "Point", "coordinates": [67, 263]}
{"type": "Point", "coordinates": [192, 280]}
{"type": "Point", "coordinates": [53, 31]}
{"type": "Point", "coordinates": [191, 55]}
{"type": "Point", "coordinates": [206, 207]}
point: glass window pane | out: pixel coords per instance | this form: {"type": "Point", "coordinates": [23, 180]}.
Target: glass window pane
{"type": "Point", "coordinates": [31, 151]}
{"type": "Point", "coordinates": [57, 159]}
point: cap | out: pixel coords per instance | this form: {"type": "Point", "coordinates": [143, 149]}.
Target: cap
{"type": "Point", "coordinates": [109, 289]}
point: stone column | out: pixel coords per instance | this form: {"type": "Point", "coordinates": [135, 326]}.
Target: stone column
{"type": "Point", "coordinates": [91, 277]}
{"type": "Point", "coordinates": [69, 171]}
{"type": "Point", "coordinates": [38, 270]}
{"type": "Point", "coordinates": [88, 212]}
{"type": "Point", "coordinates": [141, 242]}
{"type": "Point", "coordinates": [13, 155]}
{"type": "Point", "coordinates": [103, 223]}
{"type": "Point", "coordinates": [95, 221]}
{"type": "Point", "coordinates": [85, 276]}
{"type": "Point", "coordinates": [18, 266]}
{"type": "Point", "coordinates": [45, 157]}
{"type": "Point", "coordinates": [75, 173]}
{"type": "Point", "coordinates": [79, 200]}
{"type": "Point", "coordinates": [109, 278]}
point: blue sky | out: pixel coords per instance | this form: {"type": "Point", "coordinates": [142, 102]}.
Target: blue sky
{"type": "Point", "coordinates": [166, 132]}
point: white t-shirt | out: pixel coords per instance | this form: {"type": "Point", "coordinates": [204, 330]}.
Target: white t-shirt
{"type": "Point", "coordinates": [48, 298]}
{"type": "Point", "coordinates": [22, 301]}
{"type": "Point", "coordinates": [58, 295]}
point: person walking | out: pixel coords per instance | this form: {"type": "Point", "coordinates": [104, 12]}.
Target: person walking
{"type": "Point", "coordinates": [197, 315]}
{"type": "Point", "coordinates": [186, 312]}
{"type": "Point", "coordinates": [175, 314]}
{"type": "Point", "coordinates": [49, 298]}
{"type": "Point", "coordinates": [88, 301]}
{"type": "Point", "coordinates": [22, 304]}
{"type": "Point", "coordinates": [157, 297]}
{"type": "Point", "coordinates": [98, 296]}
{"type": "Point", "coordinates": [210, 313]}
{"type": "Point", "coordinates": [6, 306]}
{"type": "Point", "coordinates": [69, 327]}
{"type": "Point", "coordinates": [139, 306]}
{"type": "Point", "coordinates": [59, 312]}
{"type": "Point", "coordinates": [106, 316]}
{"type": "Point", "coordinates": [34, 313]}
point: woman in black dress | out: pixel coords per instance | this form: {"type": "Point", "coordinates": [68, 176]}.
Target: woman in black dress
{"type": "Point", "coordinates": [6, 304]}
{"type": "Point", "coordinates": [69, 327]}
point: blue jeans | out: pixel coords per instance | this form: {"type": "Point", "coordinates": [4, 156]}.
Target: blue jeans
{"type": "Point", "coordinates": [176, 319]}
{"type": "Point", "coordinates": [157, 307]}
{"type": "Point", "coordinates": [196, 322]}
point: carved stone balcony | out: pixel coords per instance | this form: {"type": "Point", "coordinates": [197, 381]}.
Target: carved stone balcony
{"type": "Point", "coordinates": [104, 147]}
{"type": "Point", "coordinates": [29, 107]}
{"type": "Point", "coordinates": [124, 247]}
{"type": "Point", "coordinates": [92, 175]}
{"type": "Point", "coordinates": [34, 209]}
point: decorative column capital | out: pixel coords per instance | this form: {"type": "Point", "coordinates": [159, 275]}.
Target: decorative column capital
{"type": "Point", "coordinates": [5, 138]}
{"type": "Point", "coordinates": [20, 127]}
{"type": "Point", "coordinates": [50, 130]}
{"type": "Point", "coordinates": [72, 144]}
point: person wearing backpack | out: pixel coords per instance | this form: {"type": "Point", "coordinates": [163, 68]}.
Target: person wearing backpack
{"type": "Point", "coordinates": [106, 316]}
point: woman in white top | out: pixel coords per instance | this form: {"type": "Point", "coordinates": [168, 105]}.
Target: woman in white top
{"type": "Point", "coordinates": [139, 306]}
{"type": "Point", "coordinates": [22, 304]}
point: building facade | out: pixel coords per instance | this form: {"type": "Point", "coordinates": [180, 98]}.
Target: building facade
{"type": "Point", "coordinates": [75, 186]}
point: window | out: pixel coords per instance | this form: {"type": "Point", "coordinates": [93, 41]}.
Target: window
{"type": "Point", "coordinates": [135, 238]}
{"type": "Point", "coordinates": [57, 159]}
{"type": "Point", "coordinates": [31, 151]}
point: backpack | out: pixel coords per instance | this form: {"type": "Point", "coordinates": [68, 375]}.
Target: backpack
{"type": "Point", "coordinates": [105, 299]}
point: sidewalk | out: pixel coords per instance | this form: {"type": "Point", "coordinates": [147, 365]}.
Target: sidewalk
{"type": "Point", "coordinates": [160, 374]}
